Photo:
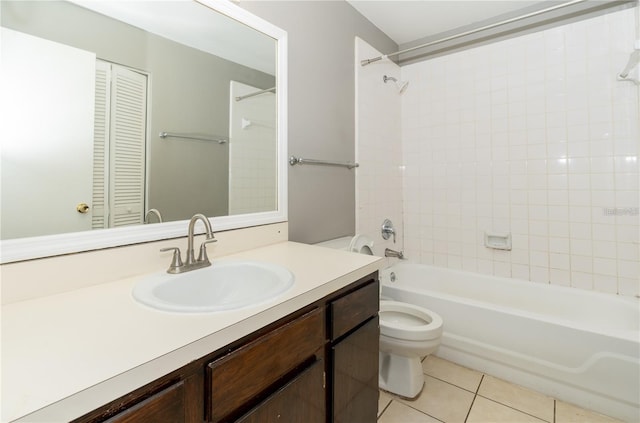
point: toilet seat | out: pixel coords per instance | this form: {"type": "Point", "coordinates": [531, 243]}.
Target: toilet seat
{"type": "Point", "coordinates": [408, 322]}
{"type": "Point", "coordinates": [361, 244]}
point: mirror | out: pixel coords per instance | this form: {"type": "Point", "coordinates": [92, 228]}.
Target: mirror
{"type": "Point", "coordinates": [117, 114]}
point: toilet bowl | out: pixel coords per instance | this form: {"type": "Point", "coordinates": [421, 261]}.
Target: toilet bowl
{"type": "Point", "coordinates": [408, 333]}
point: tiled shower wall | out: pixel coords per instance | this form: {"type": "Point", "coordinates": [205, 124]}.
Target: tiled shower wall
{"type": "Point", "coordinates": [532, 136]}
{"type": "Point", "coordinates": [378, 149]}
{"type": "Point", "coordinates": [253, 183]}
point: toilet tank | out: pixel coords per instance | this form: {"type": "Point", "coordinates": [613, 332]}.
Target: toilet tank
{"type": "Point", "coordinates": [357, 244]}
{"type": "Point", "coordinates": [337, 243]}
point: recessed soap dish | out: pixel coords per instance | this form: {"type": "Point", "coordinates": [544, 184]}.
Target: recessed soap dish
{"type": "Point", "coordinates": [497, 240]}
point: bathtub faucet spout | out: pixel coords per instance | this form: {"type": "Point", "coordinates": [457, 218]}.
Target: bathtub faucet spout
{"type": "Point", "coordinates": [388, 252]}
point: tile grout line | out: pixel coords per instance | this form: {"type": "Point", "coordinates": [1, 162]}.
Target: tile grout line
{"type": "Point", "coordinates": [553, 418]}
{"type": "Point", "coordinates": [475, 395]}
{"type": "Point", "coordinates": [516, 409]}
{"type": "Point", "coordinates": [384, 409]}
{"type": "Point", "coordinates": [453, 384]}
{"type": "Point", "coordinates": [415, 409]}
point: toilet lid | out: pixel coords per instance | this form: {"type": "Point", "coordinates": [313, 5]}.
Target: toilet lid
{"type": "Point", "coordinates": [361, 244]}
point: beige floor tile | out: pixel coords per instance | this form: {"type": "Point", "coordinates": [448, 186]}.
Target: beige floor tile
{"type": "Point", "coordinates": [487, 411]}
{"type": "Point", "coordinates": [383, 400]}
{"type": "Point", "coordinates": [400, 413]}
{"type": "Point", "coordinates": [569, 413]}
{"type": "Point", "coordinates": [452, 373]}
{"type": "Point", "coordinates": [517, 397]}
{"type": "Point", "coordinates": [443, 401]}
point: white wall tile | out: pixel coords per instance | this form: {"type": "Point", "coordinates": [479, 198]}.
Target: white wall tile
{"type": "Point", "coordinates": [559, 261]}
{"type": "Point", "coordinates": [628, 251]}
{"type": "Point", "coordinates": [540, 141]}
{"type": "Point", "coordinates": [559, 228]}
{"type": "Point", "coordinates": [539, 274]}
{"type": "Point", "coordinates": [628, 269]}
{"type": "Point", "coordinates": [560, 277]}
{"type": "Point", "coordinates": [379, 180]}
{"type": "Point", "coordinates": [559, 245]}
{"type": "Point", "coordinates": [603, 283]}
{"type": "Point", "coordinates": [582, 280]}
{"type": "Point", "coordinates": [583, 264]}
{"type": "Point", "coordinates": [629, 286]}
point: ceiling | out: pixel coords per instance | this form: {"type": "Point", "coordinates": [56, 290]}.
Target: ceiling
{"type": "Point", "coordinates": [406, 21]}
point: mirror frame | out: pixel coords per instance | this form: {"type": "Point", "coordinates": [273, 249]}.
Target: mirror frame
{"type": "Point", "coordinates": [19, 249]}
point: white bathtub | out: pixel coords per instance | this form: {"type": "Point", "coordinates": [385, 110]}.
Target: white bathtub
{"type": "Point", "coordinates": [578, 346]}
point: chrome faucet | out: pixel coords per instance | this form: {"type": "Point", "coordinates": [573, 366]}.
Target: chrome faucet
{"type": "Point", "coordinates": [191, 263]}
{"type": "Point", "coordinates": [388, 252]}
{"type": "Point", "coordinates": [150, 212]}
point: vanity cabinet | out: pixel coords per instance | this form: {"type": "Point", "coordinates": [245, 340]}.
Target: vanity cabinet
{"type": "Point", "coordinates": [354, 355]}
{"type": "Point", "coordinates": [316, 365]}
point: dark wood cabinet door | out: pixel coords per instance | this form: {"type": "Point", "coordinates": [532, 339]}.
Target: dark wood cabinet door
{"type": "Point", "coordinates": [238, 378]}
{"type": "Point", "coordinates": [301, 400]}
{"type": "Point", "coordinates": [165, 406]}
{"type": "Point", "coordinates": [355, 375]}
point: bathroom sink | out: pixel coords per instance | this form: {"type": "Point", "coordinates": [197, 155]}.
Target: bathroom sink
{"type": "Point", "coordinates": [220, 287]}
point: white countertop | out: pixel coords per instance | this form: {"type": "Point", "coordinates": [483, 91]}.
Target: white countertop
{"type": "Point", "coordinates": [67, 354]}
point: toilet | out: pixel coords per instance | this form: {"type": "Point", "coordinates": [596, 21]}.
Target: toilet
{"type": "Point", "coordinates": [408, 333]}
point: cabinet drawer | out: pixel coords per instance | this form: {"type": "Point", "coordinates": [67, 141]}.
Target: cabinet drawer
{"type": "Point", "coordinates": [300, 400]}
{"type": "Point", "coordinates": [165, 406]}
{"type": "Point", "coordinates": [238, 377]}
{"type": "Point", "coordinates": [354, 308]}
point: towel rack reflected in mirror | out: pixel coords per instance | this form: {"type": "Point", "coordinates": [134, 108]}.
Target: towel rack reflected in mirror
{"type": "Point", "coordinates": [293, 160]}
{"type": "Point", "coordinates": [219, 140]}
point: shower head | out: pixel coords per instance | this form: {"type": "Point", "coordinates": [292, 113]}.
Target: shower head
{"type": "Point", "coordinates": [634, 59]}
{"type": "Point", "coordinates": [401, 85]}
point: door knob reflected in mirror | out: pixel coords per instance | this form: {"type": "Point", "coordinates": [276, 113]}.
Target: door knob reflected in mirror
{"type": "Point", "coordinates": [82, 208]}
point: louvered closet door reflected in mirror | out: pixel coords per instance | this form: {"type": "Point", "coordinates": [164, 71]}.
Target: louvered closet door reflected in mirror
{"type": "Point", "coordinates": [119, 158]}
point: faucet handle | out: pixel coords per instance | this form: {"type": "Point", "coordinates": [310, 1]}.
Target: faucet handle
{"type": "Point", "coordinates": [202, 256]}
{"type": "Point", "coordinates": [176, 261]}
{"type": "Point", "coordinates": [388, 230]}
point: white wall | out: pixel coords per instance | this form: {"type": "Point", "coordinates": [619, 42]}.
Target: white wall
{"type": "Point", "coordinates": [378, 149]}
{"type": "Point", "coordinates": [321, 109]}
{"type": "Point", "coordinates": [535, 136]}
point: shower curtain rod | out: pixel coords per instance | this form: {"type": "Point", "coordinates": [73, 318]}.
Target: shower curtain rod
{"type": "Point", "coordinates": [472, 31]}
{"type": "Point", "coordinates": [242, 97]}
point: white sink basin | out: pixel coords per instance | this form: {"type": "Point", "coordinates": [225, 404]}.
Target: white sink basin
{"type": "Point", "coordinates": [222, 286]}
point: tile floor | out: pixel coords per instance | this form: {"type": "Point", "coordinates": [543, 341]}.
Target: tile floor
{"type": "Point", "coordinates": [453, 394]}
